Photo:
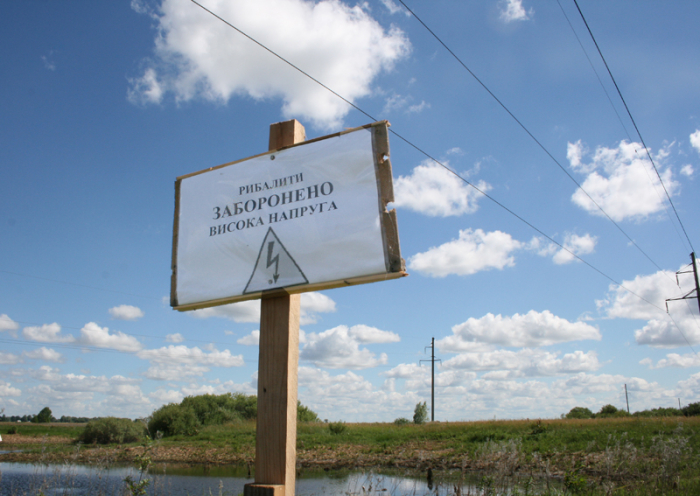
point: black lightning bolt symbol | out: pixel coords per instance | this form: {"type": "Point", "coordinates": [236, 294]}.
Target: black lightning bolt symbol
{"type": "Point", "coordinates": [273, 260]}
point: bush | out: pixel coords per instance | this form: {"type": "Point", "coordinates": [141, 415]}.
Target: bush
{"type": "Point", "coordinates": [44, 416]}
{"type": "Point", "coordinates": [607, 411]}
{"type": "Point", "coordinates": [305, 414]}
{"type": "Point", "coordinates": [194, 412]}
{"type": "Point", "coordinates": [420, 414]}
{"type": "Point", "coordinates": [691, 410]}
{"type": "Point", "coordinates": [13, 430]}
{"type": "Point", "coordinates": [173, 420]}
{"type": "Point", "coordinates": [659, 412]}
{"type": "Point", "coordinates": [401, 421]}
{"type": "Point", "coordinates": [337, 427]}
{"type": "Point", "coordinates": [212, 409]}
{"type": "Point", "coordinates": [112, 430]}
{"type": "Point", "coordinates": [579, 412]}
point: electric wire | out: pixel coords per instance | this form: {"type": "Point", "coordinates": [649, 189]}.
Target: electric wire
{"type": "Point", "coordinates": [426, 154]}
{"type": "Point", "coordinates": [420, 150]}
{"type": "Point", "coordinates": [483, 85]}
{"type": "Point", "coordinates": [619, 118]}
{"type": "Point", "coordinates": [527, 131]}
{"type": "Point", "coordinates": [450, 170]}
{"type": "Point", "coordinates": [622, 124]}
{"type": "Point", "coordinates": [590, 62]}
{"type": "Point", "coordinates": [634, 123]}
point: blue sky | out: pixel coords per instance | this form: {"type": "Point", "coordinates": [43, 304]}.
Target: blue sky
{"type": "Point", "coordinates": [104, 104]}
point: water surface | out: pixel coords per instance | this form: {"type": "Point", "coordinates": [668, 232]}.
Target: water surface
{"type": "Point", "coordinates": [31, 479]}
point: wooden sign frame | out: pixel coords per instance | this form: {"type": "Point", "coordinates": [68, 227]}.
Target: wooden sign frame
{"type": "Point", "coordinates": [395, 265]}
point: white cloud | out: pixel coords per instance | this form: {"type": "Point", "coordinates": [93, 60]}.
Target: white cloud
{"type": "Point", "coordinates": [667, 333]}
{"type": "Point", "coordinates": [162, 396]}
{"type": "Point", "coordinates": [198, 56]}
{"type": "Point", "coordinates": [474, 251]}
{"type": "Point", "coordinates": [394, 102]}
{"type": "Point", "coordinates": [674, 360]}
{"type": "Point", "coordinates": [6, 389]}
{"type": "Point", "coordinates": [394, 8]}
{"type": "Point", "coordinates": [244, 311]}
{"type": "Point", "coordinates": [47, 333]}
{"type": "Point", "coordinates": [695, 140]}
{"type": "Point", "coordinates": [405, 371]}
{"type": "Point", "coordinates": [174, 338]}
{"type": "Point", "coordinates": [43, 354]}
{"type": "Point", "coordinates": [575, 245]}
{"type": "Point", "coordinates": [526, 362]}
{"type": "Point", "coordinates": [621, 181]}
{"type": "Point", "coordinates": [174, 372]}
{"type": "Point", "coordinates": [183, 355]}
{"type": "Point", "coordinates": [9, 358]}
{"type": "Point", "coordinates": [86, 394]}
{"type": "Point", "coordinates": [643, 290]}
{"type": "Point", "coordinates": [126, 312]}
{"type": "Point", "coordinates": [690, 388]}
{"type": "Point", "coordinates": [311, 304]}
{"type": "Point", "coordinates": [418, 107]}
{"type": "Point", "coordinates": [93, 335]}
{"type": "Point", "coordinates": [646, 300]}
{"type": "Point", "coordinates": [252, 339]}
{"type": "Point", "coordinates": [513, 10]}
{"type": "Point", "coordinates": [351, 397]}
{"type": "Point", "coordinates": [529, 330]}
{"type": "Point", "coordinates": [226, 387]}
{"type": "Point", "coordinates": [146, 89]}
{"type": "Point", "coordinates": [574, 154]}
{"type": "Point", "coordinates": [687, 170]}
{"type": "Point", "coordinates": [48, 61]}
{"type": "Point", "coordinates": [176, 363]}
{"type": "Point", "coordinates": [340, 347]}
{"type": "Point", "coordinates": [7, 324]}
{"type": "Point", "coordinates": [583, 383]}
{"type": "Point", "coordinates": [434, 191]}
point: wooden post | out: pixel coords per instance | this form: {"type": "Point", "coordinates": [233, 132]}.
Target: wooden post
{"type": "Point", "coordinates": [278, 366]}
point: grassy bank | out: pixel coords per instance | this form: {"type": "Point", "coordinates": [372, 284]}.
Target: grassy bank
{"type": "Point", "coordinates": [641, 455]}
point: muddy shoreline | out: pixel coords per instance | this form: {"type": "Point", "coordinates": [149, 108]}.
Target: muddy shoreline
{"type": "Point", "coordinates": [417, 458]}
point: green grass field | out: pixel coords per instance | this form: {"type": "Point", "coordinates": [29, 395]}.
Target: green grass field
{"type": "Point", "coordinates": [630, 455]}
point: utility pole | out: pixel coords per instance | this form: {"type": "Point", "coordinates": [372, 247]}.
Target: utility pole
{"type": "Point", "coordinates": [697, 284]}
{"type": "Point", "coordinates": [432, 379]}
{"type": "Point", "coordinates": [627, 399]}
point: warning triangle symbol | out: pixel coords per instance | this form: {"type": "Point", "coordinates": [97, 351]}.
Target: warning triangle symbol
{"type": "Point", "coordinates": [274, 268]}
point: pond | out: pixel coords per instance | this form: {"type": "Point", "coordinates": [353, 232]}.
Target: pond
{"type": "Point", "coordinates": [18, 479]}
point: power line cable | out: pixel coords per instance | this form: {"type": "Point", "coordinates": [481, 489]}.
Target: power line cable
{"type": "Point", "coordinates": [590, 62]}
{"type": "Point", "coordinates": [483, 85]}
{"type": "Point", "coordinates": [634, 123]}
{"type": "Point", "coordinates": [447, 168]}
{"type": "Point", "coordinates": [619, 118]}
{"type": "Point", "coordinates": [527, 131]}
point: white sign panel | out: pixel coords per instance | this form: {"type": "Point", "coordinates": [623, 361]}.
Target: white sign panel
{"type": "Point", "coordinates": [303, 218]}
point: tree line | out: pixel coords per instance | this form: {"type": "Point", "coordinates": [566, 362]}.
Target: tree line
{"type": "Point", "coordinates": [46, 416]}
{"type": "Point", "coordinates": [611, 411]}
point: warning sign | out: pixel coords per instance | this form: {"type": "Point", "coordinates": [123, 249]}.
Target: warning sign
{"type": "Point", "coordinates": [275, 267]}
{"type": "Point", "coordinates": [307, 217]}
